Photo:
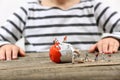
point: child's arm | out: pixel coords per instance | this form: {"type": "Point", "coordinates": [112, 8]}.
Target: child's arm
{"type": "Point", "coordinates": [10, 32]}
{"type": "Point", "coordinates": [108, 21]}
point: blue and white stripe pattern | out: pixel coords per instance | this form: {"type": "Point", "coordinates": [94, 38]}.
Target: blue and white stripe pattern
{"type": "Point", "coordinates": [84, 24]}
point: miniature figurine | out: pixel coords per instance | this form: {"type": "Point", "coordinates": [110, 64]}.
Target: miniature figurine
{"type": "Point", "coordinates": [62, 52]}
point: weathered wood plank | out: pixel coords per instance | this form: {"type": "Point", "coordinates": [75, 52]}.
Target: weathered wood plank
{"type": "Point", "coordinates": [37, 66]}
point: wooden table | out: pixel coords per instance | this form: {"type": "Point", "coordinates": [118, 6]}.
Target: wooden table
{"type": "Point", "coordinates": [37, 66]}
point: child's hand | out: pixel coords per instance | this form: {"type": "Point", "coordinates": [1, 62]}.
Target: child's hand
{"type": "Point", "coordinates": [10, 52]}
{"type": "Point", "coordinates": [106, 45]}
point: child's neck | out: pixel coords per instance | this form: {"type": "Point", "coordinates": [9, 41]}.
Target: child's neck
{"type": "Point", "coordinates": [60, 2]}
{"type": "Point", "coordinates": [63, 4]}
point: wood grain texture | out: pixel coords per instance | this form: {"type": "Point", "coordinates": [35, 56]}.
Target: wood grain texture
{"type": "Point", "coordinates": [37, 66]}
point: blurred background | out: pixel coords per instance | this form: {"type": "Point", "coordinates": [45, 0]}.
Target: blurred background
{"type": "Point", "coordinates": [8, 6]}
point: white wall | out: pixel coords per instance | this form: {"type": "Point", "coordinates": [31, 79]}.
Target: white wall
{"type": "Point", "coordinates": [8, 6]}
{"type": "Point", "coordinates": [115, 4]}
